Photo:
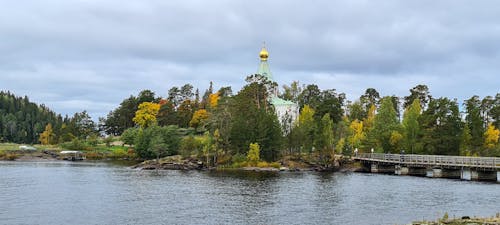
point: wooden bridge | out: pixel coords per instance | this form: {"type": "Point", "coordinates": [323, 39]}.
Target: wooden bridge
{"type": "Point", "coordinates": [469, 168]}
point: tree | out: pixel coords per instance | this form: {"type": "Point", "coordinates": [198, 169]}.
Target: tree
{"type": "Point", "coordinates": [357, 135]}
{"type": "Point", "coordinates": [465, 141]}
{"type": "Point", "coordinates": [213, 99]}
{"type": "Point", "coordinates": [200, 117]}
{"type": "Point", "coordinates": [291, 92]}
{"type": "Point", "coordinates": [309, 96]}
{"type": "Point", "coordinates": [146, 114]}
{"type": "Point", "coordinates": [155, 142]}
{"type": "Point", "coordinates": [356, 111]}
{"type": "Point", "coordinates": [371, 97]}
{"type": "Point", "coordinates": [395, 140]}
{"type": "Point", "coordinates": [441, 127]}
{"type": "Point", "coordinates": [324, 139]}
{"type": "Point", "coordinates": [129, 135]}
{"type": "Point", "coordinates": [420, 92]}
{"type": "Point", "coordinates": [332, 103]}
{"type": "Point", "coordinates": [411, 125]}
{"type": "Point", "coordinates": [491, 136]}
{"type": "Point", "coordinates": [370, 140]}
{"type": "Point", "coordinates": [384, 124]}
{"type": "Point", "coordinates": [475, 121]}
{"type": "Point", "coordinates": [47, 137]}
{"type": "Point", "coordinates": [83, 125]}
{"type": "Point", "coordinates": [167, 115]}
{"type": "Point", "coordinates": [307, 128]}
{"type": "Point", "coordinates": [253, 155]}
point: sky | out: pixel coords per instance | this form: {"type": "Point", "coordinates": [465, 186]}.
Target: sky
{"type": "Point", "coordinates": [75, 55]}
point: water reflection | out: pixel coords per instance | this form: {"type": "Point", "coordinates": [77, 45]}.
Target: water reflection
{"type": "Point", "coordinates": [86, 193]}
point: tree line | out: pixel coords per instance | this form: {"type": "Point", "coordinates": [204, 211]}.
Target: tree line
{"type": "Point", "coordinates": [328, 124]}
{"type": "Point", "coordinates": [22, 121]}
{"type": "Point", "coordinates": [220, 125]}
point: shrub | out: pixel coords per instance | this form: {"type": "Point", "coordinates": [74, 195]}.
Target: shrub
{"type": "Point", "coordinates": [238, 158]}
{"type": "Point", "coordinates": [254, 153]}
{"type": "Point", "coordinates": [276, 165]}
{"type": "Point", "coordinates": [189, 144]}
{"type": "Point", "coordinates": [108, 140]}
{"type": "Point", "coordinates": [119, 154]}
{"type": "Point", "coordinates": [129, 135]}
{"type": "Point", "coordinates": [11, 156]}
{"type": "Point", "coordinates": [157, 141]}
{"type": "Point", "coordinates": [262, 164]}
{"type": "Point", "coordinates": [76, 144]}
{"type": "Point", "coordinates": [93, 155]}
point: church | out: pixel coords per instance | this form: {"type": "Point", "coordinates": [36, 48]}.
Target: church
{"type": "Point", "coordinates": [287, 111]}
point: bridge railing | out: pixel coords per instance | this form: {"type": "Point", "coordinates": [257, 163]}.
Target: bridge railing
{"type": "Point", "coordinates": [432, 159]}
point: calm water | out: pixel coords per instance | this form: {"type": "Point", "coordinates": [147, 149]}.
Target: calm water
{"type": "Point", "coordinates": [103, 193]}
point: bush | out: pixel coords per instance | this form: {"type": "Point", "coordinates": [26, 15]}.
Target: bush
{"type": "Point", "coordinates": [11, 156]}
{"type": "Point", "coordinates": [118, 154]}
{"type": "Point", "coordinates": [262, 164]}
{"type": "Point", "coordinates": [108, 140]}
{"type": "Point", "coordinates": [238, 158]}
{"type": "Point", "coordinates": [276, 165]}
{"type": "Point", "coordinates": [129, 135]}
{"type": "Point", "coordinates": [93, 155]}
{"type": "Point", "coordinates": [188, 145]}
{"type": "Point", "coordinates": [157, 141]}
{"type": "Point", "coordinates": [76, 144]}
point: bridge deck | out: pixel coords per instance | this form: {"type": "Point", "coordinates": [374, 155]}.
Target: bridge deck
{"type": "Point", "coordinates": [432, 160]}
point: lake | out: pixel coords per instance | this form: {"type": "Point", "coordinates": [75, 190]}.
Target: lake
{"type": "Point", "coordinates": [63, 192]}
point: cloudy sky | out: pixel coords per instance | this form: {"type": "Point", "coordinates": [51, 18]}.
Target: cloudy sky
{"type": "Point", "coordinates": [91, 54]}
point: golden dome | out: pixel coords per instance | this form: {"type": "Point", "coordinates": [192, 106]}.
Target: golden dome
{"type": "Point", "coordinates": [263, 54]}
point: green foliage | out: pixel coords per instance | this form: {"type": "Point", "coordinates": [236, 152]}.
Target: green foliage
{"type": "Point", "coordinates": [475, 121]}
{"type": "Point", "coordinates": [441, 128]}
{"type": "Point", "coordinates": [21, 121]}
{"type": "Point", "coordinates": [76, 144]}
{"type": "Point", "coordinates": [108, 140]}
{"type": "Point", "coordinates": [307, 128]}
{"type": "Point", "coordinates": [385, 122]}
{"type": "Point", "coordinates": [324, 139]}
{"type": "Point", "coordinates": [156, 141]}
{"type": "Point", "coordinates": [253, 120]}
{"type": "Point", "coordinates": [411, 126]}
{"type": "Point", "coordinates": [190, 144]}
{"type": "Point", "coordinates": [129, 135]}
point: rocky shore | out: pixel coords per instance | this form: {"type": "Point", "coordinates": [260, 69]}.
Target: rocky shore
{"type": "Point", "coordinates": [464, 220]}
{"type": "Point", "coordinates": [178, 163]}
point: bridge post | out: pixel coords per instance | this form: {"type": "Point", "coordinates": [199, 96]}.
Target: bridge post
{"type": "Point", "coordinates": [401, 170]}
{"type": "Point", "coordinates": [446, 173]}
{"type": "Point", "coordinates": [381, 168]}
{"type": "Point", "coordinates": [417, 171]}
{"type": "Point", "coordinates": [474, 174]}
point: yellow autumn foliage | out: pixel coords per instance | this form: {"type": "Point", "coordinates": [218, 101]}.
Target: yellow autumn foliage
{"type": "Point", "coordinates": [145, 116]}
{"type": "Point", "coordinates": [213, 99]}
{"type": "Point", "coordinates": [199, 116]}
{"type": "Point", "coordinates": [491, 136]}
{"type": "Point", "coordinates": [357, 134]}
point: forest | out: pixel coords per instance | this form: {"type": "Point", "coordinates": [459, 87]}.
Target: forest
{"type": "Point", "coordinates": [225, 127]}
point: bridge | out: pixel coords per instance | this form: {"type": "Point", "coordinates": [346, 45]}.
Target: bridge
{"type": "Point", "coordinates": [459, 167]}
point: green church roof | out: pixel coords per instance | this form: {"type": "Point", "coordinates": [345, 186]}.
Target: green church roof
{"type": "Point", "coordinates": [279, 101]}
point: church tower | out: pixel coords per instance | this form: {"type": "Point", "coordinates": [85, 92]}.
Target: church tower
{"type": "Point", "coordinates": [287, 111]}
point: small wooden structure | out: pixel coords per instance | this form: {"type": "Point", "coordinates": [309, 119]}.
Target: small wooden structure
{"type": "Point", "coordinates": [72, 155]}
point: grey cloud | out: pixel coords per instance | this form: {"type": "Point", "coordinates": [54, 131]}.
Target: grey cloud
{"type": "Point", "coordinates": [69, 54]}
